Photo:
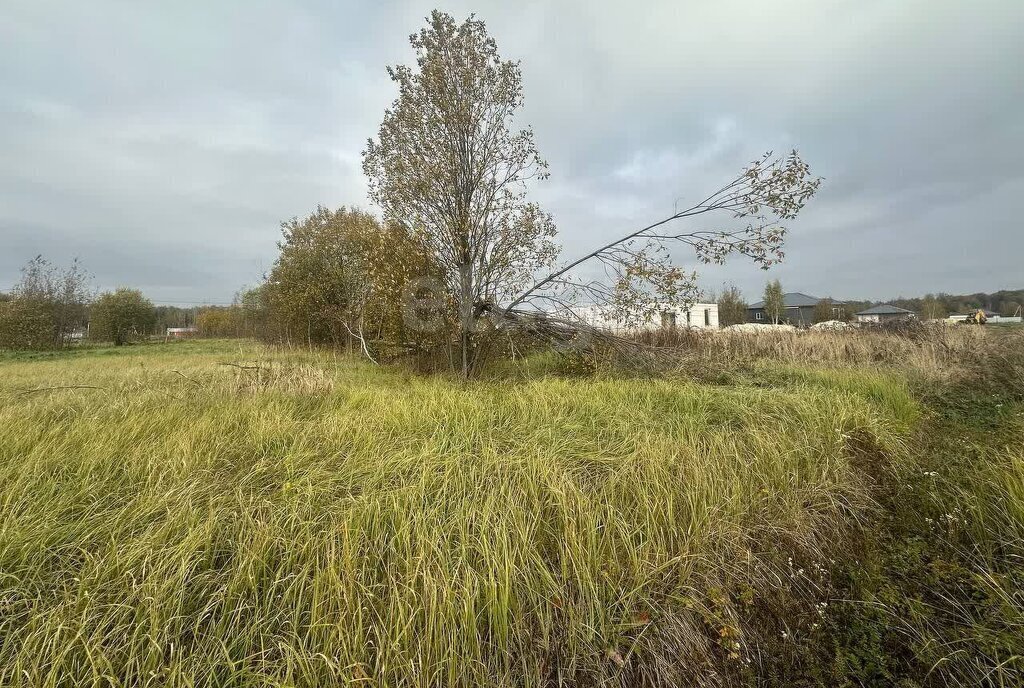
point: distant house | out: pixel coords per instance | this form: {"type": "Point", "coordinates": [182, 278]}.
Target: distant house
{"type": "Point", "coordinates": [884, 313]}
{"type": "Point", "coordinates": [181, 332]}
{"type": "Point", "coordinates": [798, 309]}
{"type": "Point", "coordinates": [698, 315]}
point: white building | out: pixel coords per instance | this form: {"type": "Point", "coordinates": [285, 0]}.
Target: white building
{"type": "Point", "coordinates": [884, 313]}
{"type": "Point", "coordinates": [703, 316]}
{"type": "Point", "coordinates": [181, 332]}
{"type": "Point", "coordinates": [990, 317]}
{"type": "Point", "coordinates": [699, 315]}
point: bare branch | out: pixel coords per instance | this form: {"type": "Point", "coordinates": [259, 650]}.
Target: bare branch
{"type": "Point", "coordinates": [641, 273]}
{"type": "Point", "coordinates": [52, 389]}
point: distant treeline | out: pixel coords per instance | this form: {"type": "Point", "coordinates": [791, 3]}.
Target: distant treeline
{"type": "Point", "coordinates": [339, 280]}
{"type": "Point", "coordinates": [1004, 302]}
{"type": "Point", "coordinates": [52, 307]}
{"type": "Point", "coordinates": [342, 279]}
{"type": "Point", "coordinates": [733, 306]}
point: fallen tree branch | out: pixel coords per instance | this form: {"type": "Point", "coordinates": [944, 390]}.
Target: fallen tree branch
{"type": "Point", "coordinates": [52, 389]}
{"type": "Point", "coordinates": [566, 334]}
{"type": "Point", "coordinates": [638, 266]}
{"type": "Point", "coordinates": [243, 367]}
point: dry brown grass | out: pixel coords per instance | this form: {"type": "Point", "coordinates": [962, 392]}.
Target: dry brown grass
{"type": "Point", "coordinates": [931, 350]}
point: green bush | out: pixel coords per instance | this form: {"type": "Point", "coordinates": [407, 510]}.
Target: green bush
{"type": "Point", "coordinates": [121, 316]}
{"type": "Point", "coordinates": [26, 324]}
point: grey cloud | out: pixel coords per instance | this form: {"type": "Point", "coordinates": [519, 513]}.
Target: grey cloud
{"type": "Point", "coordinates": [164, 143]}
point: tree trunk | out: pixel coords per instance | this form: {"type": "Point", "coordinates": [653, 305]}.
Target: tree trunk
{"type": "Point", "coordinates": [466, 316]}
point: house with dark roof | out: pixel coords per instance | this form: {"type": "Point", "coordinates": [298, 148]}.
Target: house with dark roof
{"type": "Point", "coordinates": [798, 309]}
{"type": "Point", "coordinates": [884, 313]}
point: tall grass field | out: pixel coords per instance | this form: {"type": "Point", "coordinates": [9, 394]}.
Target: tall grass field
{"type": "Point", "coordinates": [224, 514]}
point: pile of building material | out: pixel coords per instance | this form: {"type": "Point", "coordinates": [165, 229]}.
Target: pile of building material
{"type": "Point", "coordinates": [832, 325]}
{"type": "Point", "coordinates": [758, 327]}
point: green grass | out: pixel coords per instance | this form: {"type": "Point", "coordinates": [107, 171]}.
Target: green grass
{"type": "Point", "coordinates": [931, 594]}
{"type": "Point", "coordinates": [315, 520]}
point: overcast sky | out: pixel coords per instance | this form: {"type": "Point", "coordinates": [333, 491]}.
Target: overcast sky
{"type": "Point", "coordinates": [163, 143]}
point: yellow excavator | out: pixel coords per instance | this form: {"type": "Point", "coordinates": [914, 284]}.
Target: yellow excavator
{"type": "Point", "coordinates": [975, 318]}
